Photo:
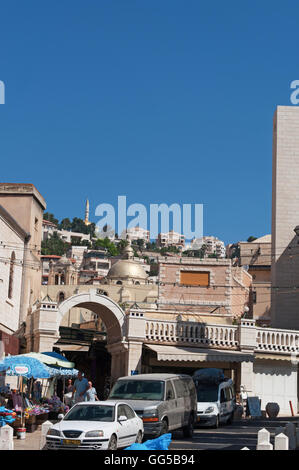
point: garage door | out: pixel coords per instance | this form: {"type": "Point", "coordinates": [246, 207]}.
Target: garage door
{"type": "Point", "coordinates": [276, 383]}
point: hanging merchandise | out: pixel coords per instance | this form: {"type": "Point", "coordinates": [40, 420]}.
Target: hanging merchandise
{"type": "Point", "coordinates": [6, 416]}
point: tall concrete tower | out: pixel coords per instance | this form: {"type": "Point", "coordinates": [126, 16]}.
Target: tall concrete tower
{"type": "Point", "coordinates": [86, 221]}
{"type": "Point", "coordinates": [285, 217]}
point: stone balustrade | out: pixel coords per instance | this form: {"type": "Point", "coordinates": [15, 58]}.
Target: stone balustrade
{"type": "Point", "coordinates": [274, 340]}
{"type": "Point", "coordinates": [222, 336]}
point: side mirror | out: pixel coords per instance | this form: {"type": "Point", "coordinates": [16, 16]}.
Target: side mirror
{"type": "Point", "coordinates": [60, 416]}
{"type": "Point", "coordinates": [122, 418]}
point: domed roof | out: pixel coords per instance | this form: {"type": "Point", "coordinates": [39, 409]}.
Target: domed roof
{"type": "Point", "coordinates": [126, 268]}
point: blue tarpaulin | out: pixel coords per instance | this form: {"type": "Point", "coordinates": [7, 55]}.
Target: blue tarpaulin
{"type": "Point", "coordinates": [160, 443]}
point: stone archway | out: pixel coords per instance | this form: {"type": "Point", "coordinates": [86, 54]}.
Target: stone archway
{"type": "Point", "coordinates": [109, 311]}
{"type": "Point", "coordinates": [125, 333]}
{"type": "Point", "coordinates": [115, 322]}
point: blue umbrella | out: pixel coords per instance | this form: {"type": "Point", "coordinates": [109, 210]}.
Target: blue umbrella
{"type": "Point", "coordinates": [25, 367]}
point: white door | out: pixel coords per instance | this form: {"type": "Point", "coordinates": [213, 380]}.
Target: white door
{"type": "Point", "coordinates": [123, 428]}
{"type": "Point", "coordinates": [133, 424]}
{"type": "Point", "coordinates": [276, 383]}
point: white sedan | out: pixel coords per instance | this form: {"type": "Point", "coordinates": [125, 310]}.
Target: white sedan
{"type": "Point", "coordinates": [96, 425]}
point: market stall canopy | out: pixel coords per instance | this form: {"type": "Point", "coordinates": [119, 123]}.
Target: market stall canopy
{"type": "Point", "coordinates": [25, 367]}
{"type": "Point", "coordinates": [29, 366]}
{"type": "Point", "coordinates": [51, 359]}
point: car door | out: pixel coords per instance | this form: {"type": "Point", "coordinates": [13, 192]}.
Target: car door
{"type": "Point", "coordinates": [123, 428]}
{"type": "Point", "coordinates": [170, 400]}
{"type": "Point", "coordinates": [179, 403]}
{"type": "Point", "coordinates": [133, 424]}
{"type": "Point", "coordinates": [223, 405]}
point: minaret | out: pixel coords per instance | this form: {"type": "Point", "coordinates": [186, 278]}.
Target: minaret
{"type": "Point", "coordinates": [86, 221]}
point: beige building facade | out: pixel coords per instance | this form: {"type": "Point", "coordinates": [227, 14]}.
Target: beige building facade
{"type": "Point", "coordinates": [209, 288]}
{"type": "Point", "coordinates": [26, 205]}
{"type": "Point", "coordinates": [285, 217]}
{"type": "Point", "coordinates": [255, 257]}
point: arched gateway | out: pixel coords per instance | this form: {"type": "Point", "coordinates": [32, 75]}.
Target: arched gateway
{"type": "Point", "coordinates": [125, 333]}
{"type": "Point", "coordinates": [109, 311]}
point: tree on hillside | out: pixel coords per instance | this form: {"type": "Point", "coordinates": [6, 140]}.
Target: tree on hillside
{"type": "Point", "coordinates": [54, 245]}
{"type": "Point", "coordinates": [50, 217]}
{"type": "Point", "coordinates": [65, 224]}
{"type": "Point", "coordinates": [106, 243]}
{"type": "Point", "coordinates": [251, 238]}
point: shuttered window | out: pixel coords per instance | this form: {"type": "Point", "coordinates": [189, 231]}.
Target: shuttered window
{"type": "Point", "coordinates": [193, 278]}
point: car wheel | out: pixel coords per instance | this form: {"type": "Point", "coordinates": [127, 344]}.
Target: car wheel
{"type": "Point", "coordinates": [164, 429]}
{"type": "Point", "coordinates": [216, 425]}
{"type": "Point", "coordinates": [188, 430]}
{"type": "Point", "coordinates": [112, 443]}
{"type": "Point", "coordinates": [139, 437]}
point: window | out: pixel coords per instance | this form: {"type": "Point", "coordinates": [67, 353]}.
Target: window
{"type": "Point", "coordinates": [121, 411]}
{"type": "Point", "coordinates": [169, 391]}
{"type": "Point", "coordinates": [61, 297]}
{"type": "Point", "coordinates": [129, 412]}
{"type": "Point", "coordinates": [138, 390]}
{"type": "Point", "coordinates": [195, 278]}
{"type": "Point", "coordinates": [11, 274]}
{"type": "Point", "coordinates": [91, 413]}
{"type": "Point", "coordinates": [181, 389]}
{"type": "Point", "coordinates": [254, 297]}
{"type": "Point", "coordinates": [222, 396]}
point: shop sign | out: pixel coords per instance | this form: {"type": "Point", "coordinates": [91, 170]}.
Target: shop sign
{"type": "Point", "coordinates": [21, 369]}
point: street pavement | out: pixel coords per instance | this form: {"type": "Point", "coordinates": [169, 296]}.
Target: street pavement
{"type": "Point", "coordinates": [227, 437]}
{"type": "Point", "coordinates": [240, 434]}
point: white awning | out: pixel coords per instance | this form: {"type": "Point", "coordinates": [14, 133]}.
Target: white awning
{"type": "Point", "coordinates": [73, 347]}
{"type": "Point", "coordinates": [181, 353]}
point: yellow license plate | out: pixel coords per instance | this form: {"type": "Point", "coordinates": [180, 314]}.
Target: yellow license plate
{"type": "Point", "coordinates": [71, 442]}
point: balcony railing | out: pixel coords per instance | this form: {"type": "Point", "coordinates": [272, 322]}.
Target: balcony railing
{"type": "Point", "coordinates": [268, 340]}
{"type": "Point", "coordinates": [223, 336]}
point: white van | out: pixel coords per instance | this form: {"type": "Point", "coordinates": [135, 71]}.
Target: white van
{"type": "Point", "coordinates": [216, 402]}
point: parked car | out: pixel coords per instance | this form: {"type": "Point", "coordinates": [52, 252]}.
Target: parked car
{"type": "Point", "coordinates": [165, 402]}
{"type": "Point", "coordinates": [216, 399]}
{"type": "Point", "coordinates": [96, 425]}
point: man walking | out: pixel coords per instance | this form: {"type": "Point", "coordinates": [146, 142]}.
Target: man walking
{"type": "Point", "coordinates": [80, 388]}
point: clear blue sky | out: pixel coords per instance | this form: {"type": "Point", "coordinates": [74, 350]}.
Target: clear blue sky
{"type": "Point", "coordinates": [161, 101]}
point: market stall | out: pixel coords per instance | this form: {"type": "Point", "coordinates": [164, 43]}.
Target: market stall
{"type": "Point", "coordinates": [35, 400]}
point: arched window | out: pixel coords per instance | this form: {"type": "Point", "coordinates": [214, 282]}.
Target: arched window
{"type": "Point", "coordinates": [11, 274]}
{"type": "Point", "coordinates": [119, 282]}
{"type": "Point", "coordinates": [61, 297]}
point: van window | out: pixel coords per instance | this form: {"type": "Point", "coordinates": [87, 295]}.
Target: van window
{"type": "Point", "coordinates": [190, 386]}
{"type": "Point", "coordinates": [229, 394]}
{"type": "Point", "coordinates": [222, 396]}
{"type": "Point", "coordinates": [138, 390]}
{"type": "Point", "coordinates": [169, 391]}
{"type": "Point", "coordinates": [181, 389]}
{"type": "Point", "coordinates": [207, 392]}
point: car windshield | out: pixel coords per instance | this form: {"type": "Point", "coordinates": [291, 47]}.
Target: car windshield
{"type": "Point", "coordinates": [207, 393]}
{"type": "Point", "coordinates": [138, 390]}
{"type": "Point", "coordinates": [91, 413]}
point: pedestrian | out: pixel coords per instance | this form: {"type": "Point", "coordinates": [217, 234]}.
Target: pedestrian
{"type": "Point", "coordinates": [80, 388]}
{"type": "Point", "coordinates": [91, 394]}
{"type": "Point", "coordinates": [69, 386]}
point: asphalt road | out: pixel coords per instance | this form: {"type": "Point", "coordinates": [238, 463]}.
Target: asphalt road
{"type": "Point", "coordinates": [229, 437]}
